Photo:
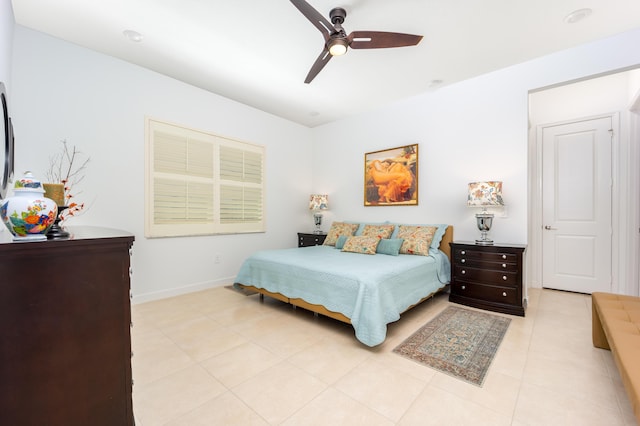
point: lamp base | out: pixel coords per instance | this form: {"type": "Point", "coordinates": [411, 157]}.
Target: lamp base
{"type": "Point", "coordinates": [317, 220]}
{"type": "Point", "coordinates": [484, 242]}
{"type": "Point", "coordinates": [484, 221]}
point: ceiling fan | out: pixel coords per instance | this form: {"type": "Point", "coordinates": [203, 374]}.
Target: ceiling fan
{"type": "Point", "coordinates": [337, 41]}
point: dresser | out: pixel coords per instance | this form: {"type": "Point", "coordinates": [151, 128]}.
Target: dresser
{"type": "Point", "coordinates": [306, 240]}
{"type": "Point", "coordinates": [488, 277]}
{"type": "Point", "coordinates": [65, 318]}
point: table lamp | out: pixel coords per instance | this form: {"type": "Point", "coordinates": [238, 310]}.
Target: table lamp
{"type": "Point", "coordinates": [317, 203]}
{"type": "Point", "coordinates": [484, 194]}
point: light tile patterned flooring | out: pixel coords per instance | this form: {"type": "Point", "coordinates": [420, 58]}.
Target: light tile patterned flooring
{"type": "Point", "coordinates": [218, 357]}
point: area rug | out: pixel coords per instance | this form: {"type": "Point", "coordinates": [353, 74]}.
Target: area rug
{"type": "Point", "coordinates": [245, 291]}
{"type": "Point", "coordinates": [459, 342]}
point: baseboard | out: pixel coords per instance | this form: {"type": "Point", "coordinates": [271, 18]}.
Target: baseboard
{"type": "Point", "coordinates": [178, 291]}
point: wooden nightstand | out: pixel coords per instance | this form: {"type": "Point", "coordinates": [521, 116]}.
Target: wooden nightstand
{"type": "Point", "coordinates": [306, 239]}
{"type": "Point", "coordinates": [488, 277]}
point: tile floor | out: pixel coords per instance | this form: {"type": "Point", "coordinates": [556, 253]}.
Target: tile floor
{"type": "Point", "coordinates": [218, 357]}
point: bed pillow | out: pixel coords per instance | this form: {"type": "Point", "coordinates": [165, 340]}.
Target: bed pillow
{"type": "Point", "coordinates": [417, 239]}
{"type": "Point", "coordinates": [340, 241]}
{"type": "Point", "coordinates": [380, 231]}
{"type": "Point", "coordinates": [389, 246]}
{"type": "Point", "coordinates": [362, 225]}
{"type": "Point", "coordinates": [361, 244]}
{"type": "Point", "coordinates": [337, 229]}
{"type": "Point", "coordinates": [437, 237]}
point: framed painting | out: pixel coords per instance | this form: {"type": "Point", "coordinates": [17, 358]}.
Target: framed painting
{"type": "Point", "coordinates": [391, 177]}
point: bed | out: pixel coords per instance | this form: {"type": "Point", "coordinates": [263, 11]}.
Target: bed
{"type": "Point", "coordinates": [367, 291]}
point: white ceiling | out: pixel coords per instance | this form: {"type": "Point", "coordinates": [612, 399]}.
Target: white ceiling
{"type": "Point", "coordinates": [258, 52]}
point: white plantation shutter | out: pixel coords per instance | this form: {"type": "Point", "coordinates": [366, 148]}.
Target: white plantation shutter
{"type": "Point", "coordinates": [241, 186]}
{"type": "Point", "coordinates": [198, 183]}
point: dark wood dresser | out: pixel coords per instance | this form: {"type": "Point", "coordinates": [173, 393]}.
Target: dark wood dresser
{"type": "Point", "coordinates": [306, 240]}
{"type": "Point", "coordinates": [488, 277]}
{"type": "Point", "coordinates": [65, 338]}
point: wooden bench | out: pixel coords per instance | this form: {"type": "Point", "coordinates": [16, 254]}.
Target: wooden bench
{"type": "Point", "coordinates": [616, 326]}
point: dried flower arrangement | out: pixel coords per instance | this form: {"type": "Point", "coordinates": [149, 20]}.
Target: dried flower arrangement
{"type": "Point", "coordinates": [68, 167]}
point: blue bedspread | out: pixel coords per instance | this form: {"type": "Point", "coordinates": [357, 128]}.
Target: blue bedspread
{"type": "Point", "coordinates": [371, 290]}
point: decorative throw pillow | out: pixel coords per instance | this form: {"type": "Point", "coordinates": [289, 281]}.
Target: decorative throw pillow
{"type": "Point", "coordinates": [417, 239]}
{"type": "Point", "coordinates": [389, 246]}
{"type": "Point", "coordinates": [380, 231]}
{"type": "Point", "coordinates": [437, 237]}
{"type": "Point", "coordinates": [361, 244]}
{"type": "Point", "coordinates": [337, 229]}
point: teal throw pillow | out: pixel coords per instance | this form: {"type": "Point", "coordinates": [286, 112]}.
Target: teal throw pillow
{"type": "Point", "coordinates": [388, 246]}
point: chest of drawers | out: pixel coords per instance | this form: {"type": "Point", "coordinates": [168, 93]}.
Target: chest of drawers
{"type": "Point", "coordinates": [306, 240]}
{"type": "Point", "coordinates": [66, 340]}
{"type": "Point", "coordinates": [488, 277]}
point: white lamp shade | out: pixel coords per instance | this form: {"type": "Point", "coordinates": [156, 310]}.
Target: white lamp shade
{"type": "Point", "coordinates": [485, 194]}
{"type": "Point", "coordinates": [318, 202]}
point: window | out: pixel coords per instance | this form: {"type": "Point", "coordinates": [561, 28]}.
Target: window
{"type": "Point", "coordinates": [197, 183]}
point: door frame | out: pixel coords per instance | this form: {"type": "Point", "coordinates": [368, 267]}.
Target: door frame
{"type": "Point", "coordinates": [535, 225]}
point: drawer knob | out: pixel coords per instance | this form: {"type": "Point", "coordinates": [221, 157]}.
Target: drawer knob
{"type": "Point", "coordinates": [463, 272]}
{"type": "Point", "coordinates": [463, 252]}
{"type": "Point", "coordinates": [504, 256]}
{"type": "Point", "coordinates": [463, 287]}
{"type": "Point", "coordinates": [504, 293]}
{"type": "Point", "coordinates": [504, 265]}
{"type": "Point", "coordinates": [462, 260]}
{"type": "Point", "coordinates": [504, 277]}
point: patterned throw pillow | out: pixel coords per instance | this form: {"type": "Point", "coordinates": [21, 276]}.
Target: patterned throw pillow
{"type": "Point", "coordinates": [337, 229]}
{"type": "Point", "coordinates": [360, 244]}
{"type": "Point", "coordinates": [380, 231]}
{"type": "Point", "coordinates": [417, 239]}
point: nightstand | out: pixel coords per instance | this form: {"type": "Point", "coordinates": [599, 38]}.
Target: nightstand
{"type": "Point", "coordinates": [488, 277]}
{"type": "Point", "coordinates": [306, 239]}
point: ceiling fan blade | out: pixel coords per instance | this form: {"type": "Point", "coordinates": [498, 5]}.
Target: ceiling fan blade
{"type": "Point", "coordinates": [322, 60]}
{"type": "Point", "coordinates": [381, 39]}
{"type": "Point", "coordinates": [316, 18]}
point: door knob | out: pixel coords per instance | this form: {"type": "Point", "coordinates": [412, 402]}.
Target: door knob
{"type": "Point", "coordinates": [549, 228]}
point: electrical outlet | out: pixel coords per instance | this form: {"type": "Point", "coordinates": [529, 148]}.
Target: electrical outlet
{"type": "Point", "coordinates": [504, 213]}
{"type": "Point", "coordinates": [217, 258]}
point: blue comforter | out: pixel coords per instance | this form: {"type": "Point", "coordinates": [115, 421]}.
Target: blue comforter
{"type": "Point", "coordinates": [371, 290]}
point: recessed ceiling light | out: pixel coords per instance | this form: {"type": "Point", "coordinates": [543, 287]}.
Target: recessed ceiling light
{"type": "Point", "coordinates": [133, 35]}
{"type": "Point", "coordinates": [314, 113]}
{"type": "Point", "coordinates": [435, 83]}
{"type": "Point", "coordinates": [577, 15]}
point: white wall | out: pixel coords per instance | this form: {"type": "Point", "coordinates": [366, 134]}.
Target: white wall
{"type": "Point", "coordinates": [98, 103]}
{"type": "Point", "coordinates": [476, 129]}
{"type": "Point", "coordinates": [473, 130]}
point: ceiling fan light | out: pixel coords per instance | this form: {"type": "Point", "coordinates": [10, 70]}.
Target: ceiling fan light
{"type": "Point", "coordinates": [337, 46]}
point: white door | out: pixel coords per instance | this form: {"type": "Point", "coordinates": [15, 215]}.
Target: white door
{"type": "Point", "coordinates": [576, 205]}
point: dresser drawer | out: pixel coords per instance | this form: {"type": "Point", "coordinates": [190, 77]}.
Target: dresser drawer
{"type": "Point", "coordinates": [488, 276]}
{"type": "Point", "coordinates": [471, 262]}
{"type": "Point", "coordinates": [488, 293]}
{"type": "Point", "coordinates": [485, 256]}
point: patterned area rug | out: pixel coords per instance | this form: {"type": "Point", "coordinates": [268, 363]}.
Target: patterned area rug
{"type": "Point", "coordinates": [459, 342]}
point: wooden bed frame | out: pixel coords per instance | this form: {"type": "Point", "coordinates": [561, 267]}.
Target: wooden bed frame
{"type": "Point", "coordinates": [320, 309]}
